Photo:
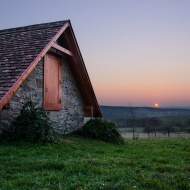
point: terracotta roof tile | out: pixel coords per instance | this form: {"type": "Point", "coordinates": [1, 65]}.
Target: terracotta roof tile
{"type": "Point", "coordinates": [19, 47]}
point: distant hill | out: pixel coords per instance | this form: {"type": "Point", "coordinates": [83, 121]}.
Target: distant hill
{"type": "Point", "coordinates": [142, 112]}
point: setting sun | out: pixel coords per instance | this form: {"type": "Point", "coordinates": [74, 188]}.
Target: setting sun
{"type": "Point", "coordinates": [156, 105]}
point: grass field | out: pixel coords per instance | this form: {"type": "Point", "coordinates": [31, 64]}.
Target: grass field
{"type": "Point", "coordinates": [80, 163]}
{"type": "Point", "coordinates": [127, 133]}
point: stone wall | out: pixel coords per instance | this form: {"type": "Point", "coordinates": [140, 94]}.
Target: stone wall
{"type": "Point", "coordinates": [67, 120]}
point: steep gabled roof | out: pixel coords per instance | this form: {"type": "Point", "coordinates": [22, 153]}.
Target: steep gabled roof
{"type": "Point", "coordinates": [22, 48]}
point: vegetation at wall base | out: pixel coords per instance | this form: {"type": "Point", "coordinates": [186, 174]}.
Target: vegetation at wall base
{"type": "Point", "coordinates": [101, 129]}
{"type": "Point", "coordinates": [33, 124]}
{"type": "Point", "coordinates": [83, 163]}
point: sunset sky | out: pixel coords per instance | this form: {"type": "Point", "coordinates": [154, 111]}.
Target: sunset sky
{"type": "Point", "coordinates": [136, 52]}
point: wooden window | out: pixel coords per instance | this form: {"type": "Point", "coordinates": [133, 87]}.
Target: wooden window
{"type": "Point", "coordinates": [52, 82]}
{"type": "Point", "coordinates": [88, 111]}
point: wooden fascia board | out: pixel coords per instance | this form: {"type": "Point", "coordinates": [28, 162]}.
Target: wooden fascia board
{"type": "Point", "coordinates": [62, 49]}
{"type": "Point", "coordinates": [8, 95]}
{"type": "Point", "coordinates": [78, 57]}
{"type": "Point", "coordinates": [85, 70]}
{"type": "Point", "coordinates": [77, 60]}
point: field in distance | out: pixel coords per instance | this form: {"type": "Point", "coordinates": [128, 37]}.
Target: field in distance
{"type": "Point", "coordinates": [148, 121]}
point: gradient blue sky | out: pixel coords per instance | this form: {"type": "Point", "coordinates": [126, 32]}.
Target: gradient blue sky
{"type": "Point", "coordinates": [136, 52]}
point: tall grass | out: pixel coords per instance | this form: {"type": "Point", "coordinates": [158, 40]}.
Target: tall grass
{"type": "Point", "coordinates": [81, 163]}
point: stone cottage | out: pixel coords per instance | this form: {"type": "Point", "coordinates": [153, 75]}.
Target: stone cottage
{"type": "Point", "coordinates": [43, 63]}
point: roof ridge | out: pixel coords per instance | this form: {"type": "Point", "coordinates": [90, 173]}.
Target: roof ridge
{"type": "Point", "coordinates": [33, 27]}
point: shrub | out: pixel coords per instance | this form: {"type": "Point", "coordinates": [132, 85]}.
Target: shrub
{"type": "Point", "coordinates": [33, 124]}
{"type": "Point", "coordinates": [103, 130]}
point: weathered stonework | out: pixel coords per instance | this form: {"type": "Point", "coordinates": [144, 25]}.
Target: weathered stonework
{"type": "Point", "coordinates": [67, 120]}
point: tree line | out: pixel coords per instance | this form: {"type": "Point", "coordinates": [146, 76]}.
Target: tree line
{"type": "Point", "coordinates": [152, 125]}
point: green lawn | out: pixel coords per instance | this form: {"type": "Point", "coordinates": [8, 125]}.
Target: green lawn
{"type": "Point", "coordinates": [80, 163]}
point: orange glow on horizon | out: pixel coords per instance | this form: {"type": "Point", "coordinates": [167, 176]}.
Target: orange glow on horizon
{"type": "Point", "coordinates": [118, 92]}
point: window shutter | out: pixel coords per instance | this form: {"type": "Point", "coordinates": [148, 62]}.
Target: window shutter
{"type": "Point", "coordinates": [52, 82]}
